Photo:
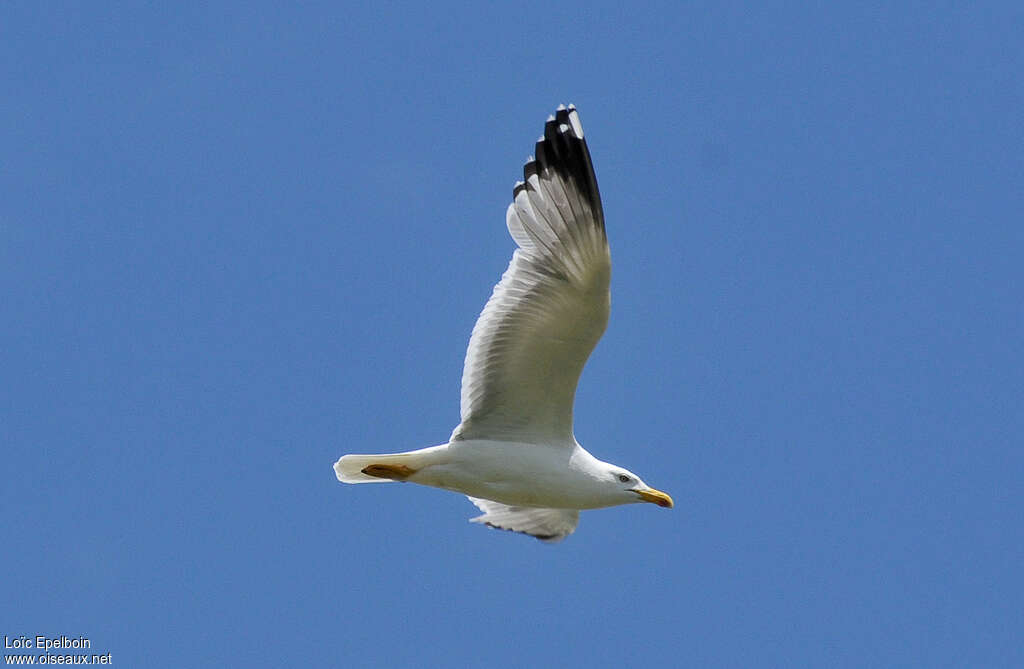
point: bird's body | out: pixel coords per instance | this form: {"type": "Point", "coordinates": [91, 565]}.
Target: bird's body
{"type": "Point", "coordinates": [514, 453]}
{"type": "Point", "coordinates": [512, 473]}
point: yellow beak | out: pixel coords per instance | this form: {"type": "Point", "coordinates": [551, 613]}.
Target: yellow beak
{"type": "Point", "coordinates": [656, 497]}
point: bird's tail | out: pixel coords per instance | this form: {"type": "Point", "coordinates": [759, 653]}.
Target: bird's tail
{"type": "Point", "coordinates": [385, 466]}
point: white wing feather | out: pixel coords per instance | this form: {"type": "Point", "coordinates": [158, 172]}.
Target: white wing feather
{"type": "Point", "coordinates": [549, 525]}
{"type": "Point", "coordinates": [551, 307]}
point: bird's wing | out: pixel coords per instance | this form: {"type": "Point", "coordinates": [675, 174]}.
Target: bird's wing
{"type": "Point", "coordinates": [551, 307]}
{"type": "Point", "coordinates": [549, 525]}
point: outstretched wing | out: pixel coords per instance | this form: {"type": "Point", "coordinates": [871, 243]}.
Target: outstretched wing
{"type": "Point", "coordinates": [551, 307]}
{"type": "Point", "coordinates": [549, 525]}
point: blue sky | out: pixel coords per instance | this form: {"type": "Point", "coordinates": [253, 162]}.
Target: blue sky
{"type": "Point", "coordinates": [240, 240]}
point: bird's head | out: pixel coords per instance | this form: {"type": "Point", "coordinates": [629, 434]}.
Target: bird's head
{"type": "Point", "coordinates": [632, 489]}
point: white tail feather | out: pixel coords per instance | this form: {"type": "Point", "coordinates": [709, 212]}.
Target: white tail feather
{"type": "Point", "coordinates": [349, 469]}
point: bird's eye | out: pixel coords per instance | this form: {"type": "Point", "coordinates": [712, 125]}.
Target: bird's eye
{"type": "Point", "coordinates": [623, 478]}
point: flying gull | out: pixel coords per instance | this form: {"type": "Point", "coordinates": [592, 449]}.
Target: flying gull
{"type": "Point", "coordinates": [514, 453]}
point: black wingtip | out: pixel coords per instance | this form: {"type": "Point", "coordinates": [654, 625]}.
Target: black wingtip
{"type": "Point", "coordinates": [563, 149]}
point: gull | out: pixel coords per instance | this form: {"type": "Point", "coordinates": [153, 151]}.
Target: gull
{"type": "Point", "coordinates": [514, 453]}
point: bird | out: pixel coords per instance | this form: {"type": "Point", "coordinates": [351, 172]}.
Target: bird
{"type": "Point", "coordinates": [514, 454]}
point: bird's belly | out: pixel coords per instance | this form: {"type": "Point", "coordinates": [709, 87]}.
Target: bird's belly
{"type": "Point", "coordinates": [514, 474]}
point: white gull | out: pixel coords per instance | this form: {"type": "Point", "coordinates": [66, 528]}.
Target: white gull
{"type": "Point", "coordinates": [514, 453]}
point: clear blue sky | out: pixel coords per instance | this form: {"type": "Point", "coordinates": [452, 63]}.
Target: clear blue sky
{"type": "Point", "coordinates": [240, 240]}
